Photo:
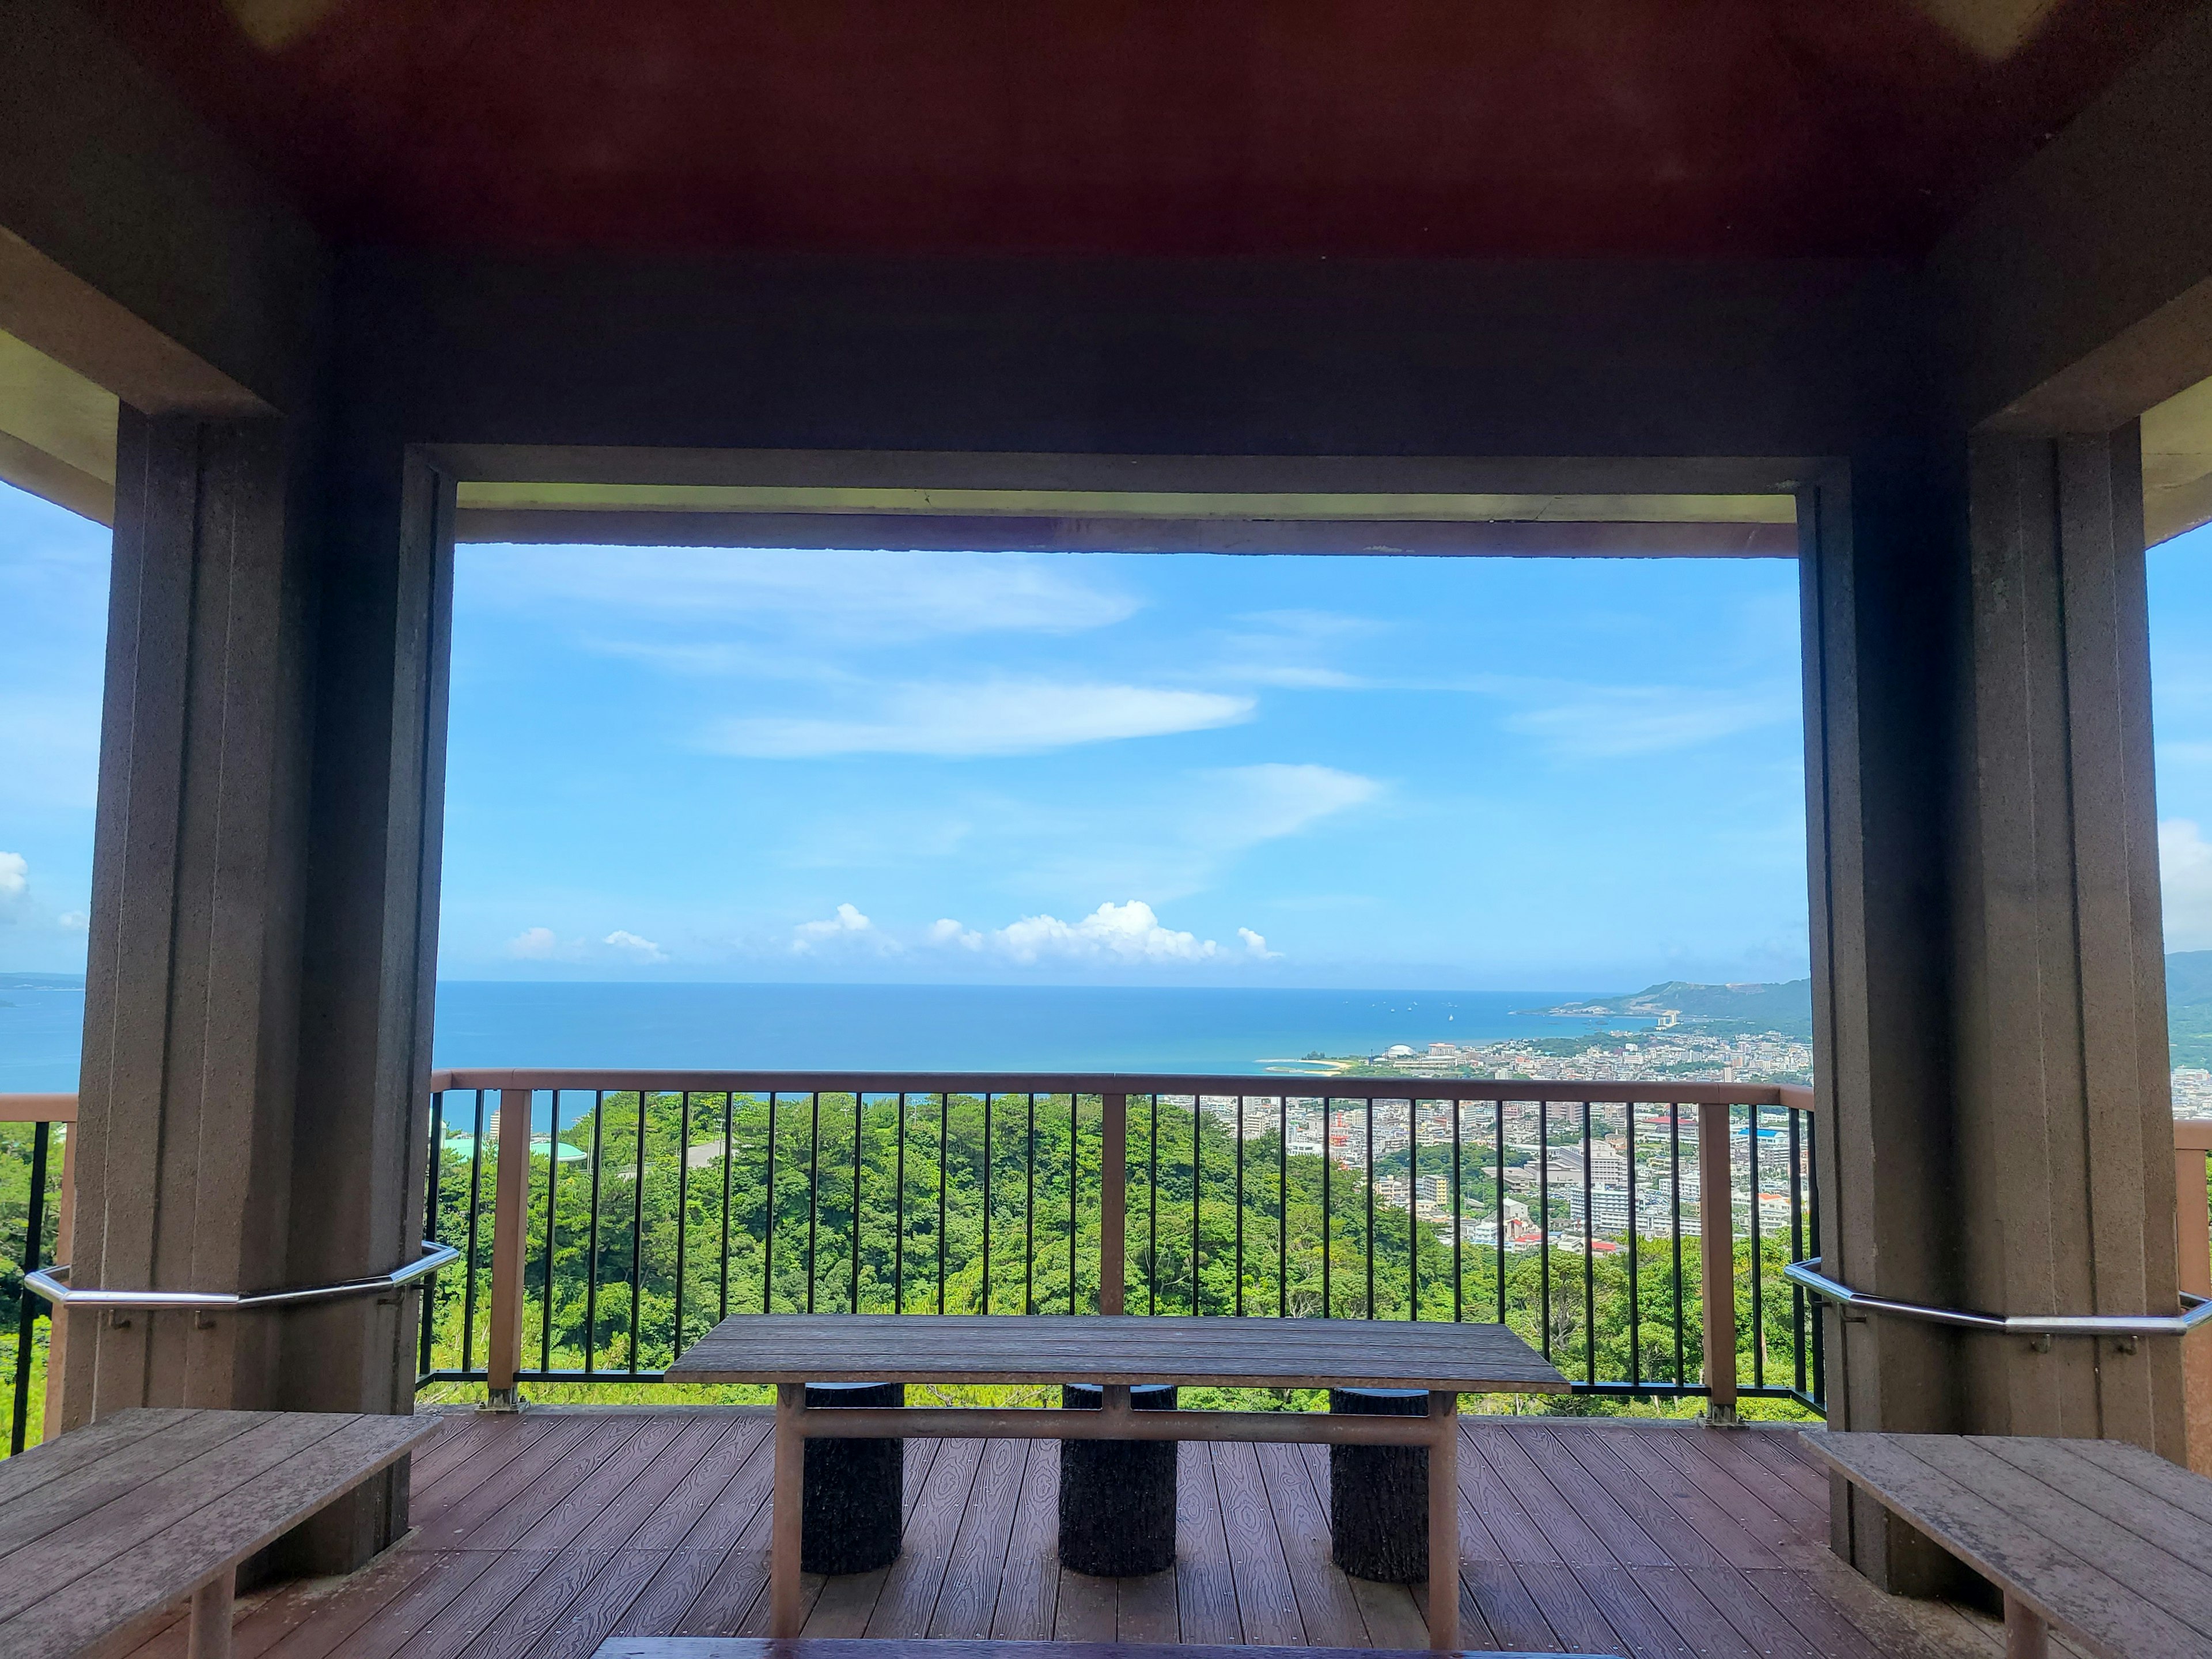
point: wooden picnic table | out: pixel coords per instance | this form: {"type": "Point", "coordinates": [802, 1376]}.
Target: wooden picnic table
{"type": "Point", "coordinates": [1116, 1350]}
{"type": "Point", "coordinates": [107, 1528]}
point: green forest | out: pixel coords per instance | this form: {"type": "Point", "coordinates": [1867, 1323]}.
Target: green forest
{"type": "Point", "coordinates": [677, 1175]}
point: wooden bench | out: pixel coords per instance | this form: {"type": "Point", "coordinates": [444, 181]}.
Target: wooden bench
{"type": "Point", "coordinates": [812, 1647]}
{"type": "Point", "coordinates": [105, 1529]}
{"type": "Point", "coordinates": [2101, 1540]}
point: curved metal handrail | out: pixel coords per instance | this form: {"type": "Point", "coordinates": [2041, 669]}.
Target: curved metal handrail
{"type": "Point", "coordinates": [1807, 1275]}
{"type": "Point", "coordinates": [52, 1282]}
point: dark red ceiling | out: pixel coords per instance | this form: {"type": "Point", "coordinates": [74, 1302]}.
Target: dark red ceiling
{"type": "Point", "coordinates": [1354, 127]}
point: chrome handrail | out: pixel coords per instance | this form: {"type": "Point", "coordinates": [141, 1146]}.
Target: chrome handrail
{"type": "Point", "coordinates": [1807, 1275]}
{"type": "Point", "coordinates": [52, 1282]}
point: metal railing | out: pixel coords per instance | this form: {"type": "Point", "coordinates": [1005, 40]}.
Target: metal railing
{"type": "Point", "coordinates": [1587, 1216]}
{"type": "Point", "coordinates": [38, 1238]}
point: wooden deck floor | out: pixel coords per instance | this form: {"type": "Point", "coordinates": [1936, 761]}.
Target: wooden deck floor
{"type": "Point", "coordinates": [543, 1534]}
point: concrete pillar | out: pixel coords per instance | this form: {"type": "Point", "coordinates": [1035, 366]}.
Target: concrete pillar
{"type": "Point", "coordinates": [1994, 1129]}
{"type": "Point", "coordinates": [257, 1010]}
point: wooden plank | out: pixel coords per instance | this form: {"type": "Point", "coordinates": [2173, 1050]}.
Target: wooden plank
{"type": "Point", "coordinates": [1030, 1583]}
{"type": "Point", "coordinates": [970, 1590]}
{"type": "Point", "coordinates": [1205, 1589]}
{"type": "Point", "coordinates": [1685, 1449]}
{"type": "Point", "coordinates": [1266, 1605]}
{"type": "Point", "coordinates": [1392, 1613]}
{"type": "Point", "coordinates": [744, 1648]}
{"type": "Point", "coordinates": [1327, 1612]}
{"type": "Point", "coordinates": [1569, 1534]}
{"type": "Point", "coordinates": [1086, 1609]}
{"type": "Point", "coordinates": [1826, 1626]}
{"type": "Point", "coordinates": [560, 1524]}
{"type": "Point", "coordinates": [466, 1432]}
{"type": "Point", "coordinates": [709, 1475]}
{"type": "Point", "coordinates": [592, 1616]}
{"type": "Point", "coordinates": [399, 1620]}
{"type": "Point", "coordinates": [1642, 1628]}
{"type": "Point", "coordinates": [206, 1537]}
{"type": "Point", "coordinates": [512, 1436]}
{"type": "Point", "coordinates": [2168, 1482]}
{"type": "Point", "coordinates": [910, 1592]}
{"type": "Point", "coordinates": [846, 1604]}
{"type": "Point", "coordinates": [472, 1612]}
{"type": "Point", "coordinates": [1709, 1531]}
{"type": "Point", "coordinates": [335, 1610]}
{"type": "Point", "coordinates": [1802, 1503]}
{"type": "Point", "coordinates": [1700, 1625]}
{"type": "Point", "coordinates": [2171, 1579]}
{"type": "Point", "coordinates": [128, 1468]}
{"type": "Point", "coordinates": [520, 1630]}
{"type": "Point", "coordinates": [1146, 1609]}
{"type": "Point", "coordinates": [1495, 1590]}
{"type": "Point", "coordinates": [1595, 1506]}
{"type": "Point", "coordinates": [1574, 1618]}
{"type": "Point", "coordinates": [1046, 1348]}
{"type": "Point", "coordinates": [2088, 1604]}
{"type": "Point", "coordinates": [1779, 1453]}
{"type": "Point", "coordinates": [740, 1577]}
{"type": "Point", "coordinates": [1517, 1536]}
{"type": "Point", "coordinates": [80, 1449]}
{"type": "Point", "coordinates": [666, 1600]}
{"type": "Point", "coordinates": [497, 1510]}
{"type": "Point", "coordinates": [617, 1522]}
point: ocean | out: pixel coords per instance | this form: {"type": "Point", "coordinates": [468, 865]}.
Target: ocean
{"type": "Point", "coordinates": [995, 1028]}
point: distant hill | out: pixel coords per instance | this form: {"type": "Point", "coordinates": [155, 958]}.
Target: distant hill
{"type": "Point", "coordinates": [1786, 1008]}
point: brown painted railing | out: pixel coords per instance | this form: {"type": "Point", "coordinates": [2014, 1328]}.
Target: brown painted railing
{"type": "Point", "coordinates": [867, 1192]}
{"type": "Point", "coordinates": [49, 1196]}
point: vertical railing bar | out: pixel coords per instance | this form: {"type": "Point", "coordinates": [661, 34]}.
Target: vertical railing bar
{"type": "Point", "coordinates": [437, 1201]}
{"type": "Point", "coordinates": [1544, 1209]}
{"type": "Point", "coordinates": [1758, 1263]}
{"type": "Point", "coordinates": [1197, 1118]}
{"type": "Point", "coordinates": [592, 1252]}
{"type": "Point", "coordinates": [552, 1204]}
{"type": "Point", "coordinates": [476, 1203]}
{"type": "Point", "coordinates": [1813, 1242]}
{"type": "Point", "coordinates": [1371, 1206]}
{"type": "Point", "coordinates": [813, 1193]}
{"type": "Point", "coordinates": [1074, 1166]}
{"type": "Point", "coordinates": [27, 1310]}
{"type": "Point", "coordinates": [1029, 1213]}
{"type": "Point", "coordinates": [1590, 1254]}
{"type": "Point", "coordinates": [1635, 1285]}
{"type": "Point", "coordinates": [1328, 1195]}
{"type": "Point", "coordinates": [1412, 1223]}
{"type": "Point", "coordinates": [943, 1123]}
{"type": "Point", "coordinates": [637, 1233]}
{"type": "Point", "coordinates": [1283, 1207]}
{"type": "Point", "coordinates": [1796, 1250]}
{"type": "Point", "coordinates": [898, 1217]}
{"type": "Point", "coordinates": [1675, 1152]}
{"type": "Point", "coordinates": [729, 1157]}
{"type": "Point", "coordinates": [1152, 1210]}
{"type": "Point", "coordinates": [1240, 1207]}
{"type": "Point", "coordinates": [683, 1210]}
{"type": "Point", "coordinates": [1498, 1123]}
{"type": "Point", "coordinates": [860, 1112]}
{"type": "Point", "coordinates": [768, 1223]}
{"type": "Point", "coordinates": [990, 1157]}
{"type": "Point", "coordinates": [1459, 1252]}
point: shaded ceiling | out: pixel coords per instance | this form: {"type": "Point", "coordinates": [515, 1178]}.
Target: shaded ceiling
{"type": "Point", "coordinates": [1445, 128]}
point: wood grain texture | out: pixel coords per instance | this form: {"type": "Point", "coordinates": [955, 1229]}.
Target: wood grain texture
{"type": "Point", "coordinates": [1109, 1348]}
{"type": "Point", "coordinates": [2110, 1589]}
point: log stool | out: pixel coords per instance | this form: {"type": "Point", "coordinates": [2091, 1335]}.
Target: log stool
{"type": "Point", "coordinates": [854, 1497]}
{"type": "Point", "coordinates": [1117, 1497]}
{"type": "Point", "coordinates": [1378, 1496]}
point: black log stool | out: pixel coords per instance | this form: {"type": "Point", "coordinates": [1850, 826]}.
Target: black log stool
{"type": "Point", "coordinates": [855, 1489]}
{"type": "Point", "coordinates": [1378, 1496]}
{"type": "Point", "coordinates": [1117, 1497]}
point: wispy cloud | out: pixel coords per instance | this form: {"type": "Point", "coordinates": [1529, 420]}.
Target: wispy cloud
{"type": "Point", "coordinates": [958, 720]}
{"type": "Point", "coordinates": [804, 595]}
{"type": "Point", "coordinates": [847, 926]}
{"type": "Point", "coordinates": [631, 946]}
{"type": "Point", "coordinates": [1581, 721]}
{"type": "Point", "coordinates": [2185, 876]}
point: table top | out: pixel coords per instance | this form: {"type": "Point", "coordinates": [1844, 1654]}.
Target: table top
{"type": "Point", "coordinates": [117, 1520]}
{"type": "Point", "coordinates": [1206, 1352]}
{"type": "Point", "coordinates": [2110, 1543]}
{"type": "Point", "coordinates": [895, 1647]}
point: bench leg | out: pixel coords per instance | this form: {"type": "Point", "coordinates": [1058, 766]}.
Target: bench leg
{"type": "Point", "coordinates": [2026, 1637]}
{"type": "Point", "coordinates": [788, 1512]}
{"type": "Point", "coordinates": [209, 1622]}
{"type": "Point", "coordinates": [1443, 1521]}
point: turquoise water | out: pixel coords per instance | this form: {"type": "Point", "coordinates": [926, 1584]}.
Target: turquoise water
{"type": "Point", "coordinates": [882, 1027]}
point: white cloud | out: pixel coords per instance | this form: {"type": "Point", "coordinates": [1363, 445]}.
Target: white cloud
{"type": "Point", "coordinates": [1113, 935]}
{"type": "Point", "coordinates": [15, 875]}
{"type": "Point", "coordinates": [2184, 873]}
{"type": "Point", "coordinates": [948, 932]}
{"type": "Point", "coordinates": [1612, 722]}
{"type": "Point", "coordinates": [75, 921]}
{"type": "Point", "coordinates": [848, 924]}
{"type": "Point", "coordinates": [801, 594]}
{"type": "Point", "coordinates": [542, 945]}
{"type": "Point", "coordinates": [954, 718]}
{"type": "Point", "coordinates": [1257, 944]}
{"type": "Point", "coordinates": [639, 950]}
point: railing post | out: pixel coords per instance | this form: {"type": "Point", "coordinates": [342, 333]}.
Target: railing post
{"type": "Point", "coordinates": [510, 1227]}
{"type": "Point", "coordinates": [2192, 1140]}
{"type": "Point", "coordinates": [1113, 1200]}
{"type": "Point", "coordinates": [1717, 1253]}
{"type": "Point", "coordinates": [57, 1318]}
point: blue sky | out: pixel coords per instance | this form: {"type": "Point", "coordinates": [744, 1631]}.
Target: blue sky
{"type": "Point", "coordinates": [710, 764]}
